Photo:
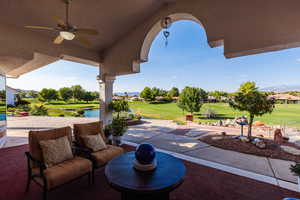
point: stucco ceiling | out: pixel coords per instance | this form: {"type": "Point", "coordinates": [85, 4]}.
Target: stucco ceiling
{"type": "Point", "coordinates": [112, 18]}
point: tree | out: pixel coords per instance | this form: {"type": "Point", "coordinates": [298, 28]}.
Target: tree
{"type": "Point", "coordinates": [147, 94]}
{"type": "Point", "coordinates": [65, 93]}
{"type": "Point", "coordinates": [155, 92]}
{"type": "Point", "coordinates": [174, 92]}
{"type": "Point", "coordinates": [78, 92]}
{"type": "Point", "coordinates": [118, 106]}
{"type": "Point", "coordinates": [22, 94]}
{"type": "Point", "coordinates": [249, 99]}
{"type": "Point", "coordinates": [203, 95]}
{"type": "Point", "coordinates": [48, 94]}
{"type": "Point", "coordinates": [95, 95]}
{"type": "Point", "coordinates": [88, 96]}
{"type": "Point", "coordinates": [163, 93]}
{"type": "Point", "coordinates": [33, 94]}
{"type": "Point", "coordinates": [218, 95]}
{"type": "Point", "coordinates": [191, 99]}
{"type": "Point", "coordinates": [126, 95]}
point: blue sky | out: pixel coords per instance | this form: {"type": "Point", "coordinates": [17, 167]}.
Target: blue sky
{"type": "Point", "coordinates": [186, 61]}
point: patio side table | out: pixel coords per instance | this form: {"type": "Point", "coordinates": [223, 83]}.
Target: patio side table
{"type": "Point", "coordinates": [156, 184]}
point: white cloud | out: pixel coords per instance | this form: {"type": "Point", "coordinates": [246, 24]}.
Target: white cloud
{"type": "Point", "coordinates": [298, 59]}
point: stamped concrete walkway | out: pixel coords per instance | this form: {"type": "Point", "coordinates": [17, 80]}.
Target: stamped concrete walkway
{"type": "Point", "coordinates": [181, 141]}
{"type": "Point", "coordinates": [159, 134]}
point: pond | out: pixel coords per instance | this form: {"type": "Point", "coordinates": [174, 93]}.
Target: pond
{"type": "Point", "coordinates": [95, 113]}
{"type": "Point", "coordinates": [92, 113]}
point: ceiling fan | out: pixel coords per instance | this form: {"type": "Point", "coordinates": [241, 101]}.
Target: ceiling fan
{"type": "Point", "coordinates": [66, 30]}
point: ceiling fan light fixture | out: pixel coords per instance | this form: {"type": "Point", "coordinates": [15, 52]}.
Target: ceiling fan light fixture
{"type": "Point", "coordinates": [67, 35]}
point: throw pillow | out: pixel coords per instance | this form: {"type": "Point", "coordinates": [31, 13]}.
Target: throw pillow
{"type": "Point", "coordinates": [56, 151]}
{"type": "Point", "coordinates": [94, 142]}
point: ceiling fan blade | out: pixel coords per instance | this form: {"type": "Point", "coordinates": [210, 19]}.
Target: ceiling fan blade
{"type": "Point", "coordinates": [40, 27]}
{"type": "Point", "coordinates": [59, 21]}
{"type": "Point", "coordinates": [84, 41]}
{"type": "Point", "coordinates": [87, 31]}
{"type": "Point", "coordinates": [58, 40]}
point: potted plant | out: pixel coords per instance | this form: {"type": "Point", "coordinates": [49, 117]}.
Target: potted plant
{"type": "Point", "coordinates": [296, 170]}
{"type": "Point", "coordinates": [118, 106]}
{"type": "Point", "coordinates": [117, 129]}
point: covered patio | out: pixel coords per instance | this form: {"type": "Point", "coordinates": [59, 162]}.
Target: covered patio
{"type": "Point", "coordinates": [201, 182]}
{"type": "Point", "coordinates": [126, 31]}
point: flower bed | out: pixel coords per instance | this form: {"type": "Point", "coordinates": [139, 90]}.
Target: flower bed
{"type": "Point", "coordinates": [272, 149]}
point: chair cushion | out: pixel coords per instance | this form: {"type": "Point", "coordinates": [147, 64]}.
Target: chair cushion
{"type": "Point", "coordinates": [56, 151]}
{"type": "Point", "coordinates": [36, 136]}
{"type": "Point", "coordinates": [103, 156]}
{"type": "Point", "coordinates": [65, 171]}
{"type": "Point", "coordinates": [94, 142]}
{"type": "Point", "coordinates": [93, 128]}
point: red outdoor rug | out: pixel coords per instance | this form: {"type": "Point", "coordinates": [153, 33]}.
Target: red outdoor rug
{"type": "Point", "coordinates": [201, 183]}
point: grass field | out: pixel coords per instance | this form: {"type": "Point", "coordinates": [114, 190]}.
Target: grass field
{"type": "Point", "coordinates": [283, 114]}
{"type": "Point", "coordinates": [58, 108]}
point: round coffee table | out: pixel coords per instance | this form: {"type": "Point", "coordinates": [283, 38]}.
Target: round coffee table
{"type": "Point", "coordinates": [156, 184]}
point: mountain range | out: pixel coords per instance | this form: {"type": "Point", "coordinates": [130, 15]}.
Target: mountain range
{"type": "Point", "coordinates": [281, 88]}
{"type": "Point", "coordinates": [129, 93]}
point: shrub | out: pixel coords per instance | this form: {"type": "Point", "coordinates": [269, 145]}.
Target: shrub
{"type": "Point", "coordinates": [11, 106]}
{"type": "Point", "coordinates": [23, 108]}
{"type": "Point", "coordinates": [295, 169]}
{"type": "Point", "coordinates": [21, 102]}
{"type": "Point", "coordinates": [39, 110]}
{"type": "Point", "coordinates": [210, 114]}
{"type": "Point", "coordinates": [80, 112]}
{"type": "Point", "coordinates": [118, 107]}
{"type": "Point", "coordinates": [118, 127]}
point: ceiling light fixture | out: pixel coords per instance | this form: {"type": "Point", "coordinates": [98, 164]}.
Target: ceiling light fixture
{"type": "Point", "coordinates": [67, 35]}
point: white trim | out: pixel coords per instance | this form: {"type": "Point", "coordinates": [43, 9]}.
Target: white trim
{"type": "Point", "coordinates": [232, 170]}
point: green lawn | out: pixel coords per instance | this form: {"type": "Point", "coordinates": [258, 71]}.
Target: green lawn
{"type": "Point", "coordinates": [68, 109]}
{"type": "Point", "coordinates": [284, 114]}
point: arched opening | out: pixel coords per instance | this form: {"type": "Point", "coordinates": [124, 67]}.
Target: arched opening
{"type": "Point", "coordinates": [151, 35]}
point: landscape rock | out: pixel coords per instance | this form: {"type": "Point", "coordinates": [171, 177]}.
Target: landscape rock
{"type": "Point", "coordinates": [244, 139]}
{"type": "Point", "coordinates": [260, 145]}
{"type": "Point", "coordinates": [291, 150]}
{"type": "Point", "coordinates": [217, 138]}
{"type": "Point", "coordinates": [256, 140]}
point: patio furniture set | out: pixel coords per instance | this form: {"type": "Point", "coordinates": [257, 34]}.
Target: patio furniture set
{"type": "Point", "coordinates": [55, 159]}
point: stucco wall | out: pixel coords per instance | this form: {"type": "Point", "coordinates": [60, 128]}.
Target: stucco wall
{"type": "Point", "coordinates": [244, 27]}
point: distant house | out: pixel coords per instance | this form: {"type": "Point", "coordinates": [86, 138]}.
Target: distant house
{"type": "Point", "coordinates": [211, 99]}
{"type": "Point", "coordinates": [135, 99]}
{"type": "Point", "coordinates": [116, 98]}
{"type": "Point", "coordinates": [11, 95]}
{"type": "Point", "coordinates": [286, 98]}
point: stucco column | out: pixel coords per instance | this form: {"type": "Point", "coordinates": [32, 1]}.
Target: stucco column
{"type": "Point", "coordinates": [105, 95]}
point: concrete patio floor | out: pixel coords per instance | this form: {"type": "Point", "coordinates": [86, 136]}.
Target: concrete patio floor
{"type": "Point", "coordinates": [162, 134]}
{"type": "Point", "coordinates": [191, 147]}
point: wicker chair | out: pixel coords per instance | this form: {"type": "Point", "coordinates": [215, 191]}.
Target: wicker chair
{"type": "Point", "coordinates": [52, 177]}
{"type": "Point", "coordinates": [99, 158]}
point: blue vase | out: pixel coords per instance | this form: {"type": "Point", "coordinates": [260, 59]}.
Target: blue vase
{"type": "Point", "coordinates": [145, 154]}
